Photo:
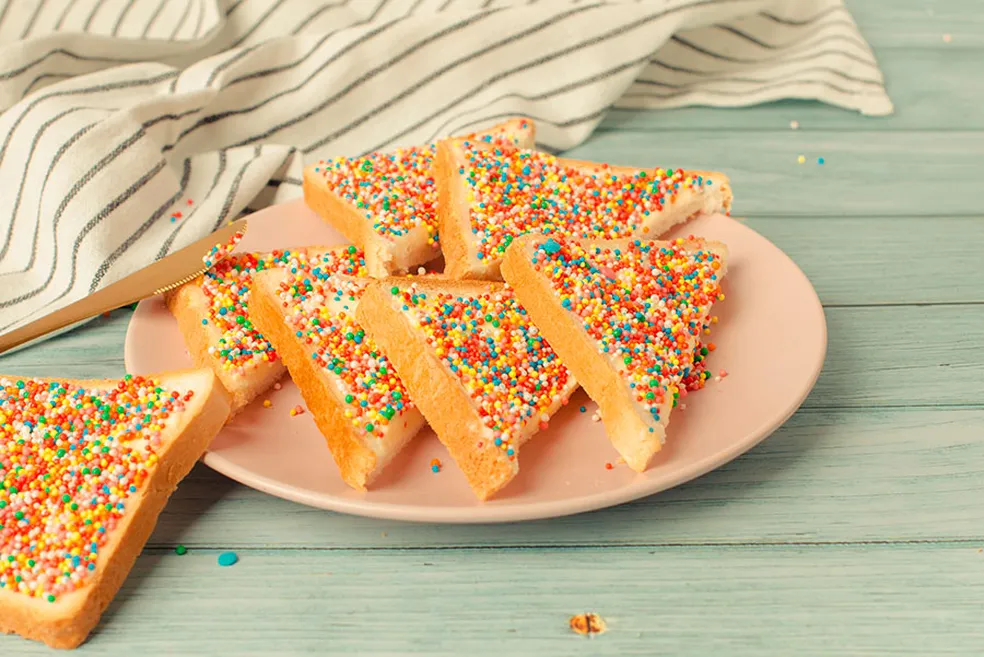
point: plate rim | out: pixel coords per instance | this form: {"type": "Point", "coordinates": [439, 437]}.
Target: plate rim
{"type": "Point", "coordinates": [492, 513]}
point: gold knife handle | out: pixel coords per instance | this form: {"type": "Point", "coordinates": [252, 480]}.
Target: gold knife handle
{"type": "Point", "coordinates": [83, 309]}
{"type": "Point", "coordinates": [165, 274]}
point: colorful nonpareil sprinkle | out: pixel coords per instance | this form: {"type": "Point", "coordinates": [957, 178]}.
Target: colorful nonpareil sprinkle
{"type": "Point", "coordinates": [180, 550]}
{"type": "Point", "coordinates": [435, 465]}
{"type": "Point", "coordinates": [71, 459]}
{"type": "Point", "coordinates": [320, 295]}
{"type": "Point", "coordinates": [297, 410]}
{"type": "Point", "coordinates": [513, 376]}
{"type": "Point", "coordinates": [226, 286]}
{"type": "Point", "coordinates": [220, 251]}
{"type": "Point", "coordinates": [228, 559]}
{"type": "Point", "coordinates": [515, 191]}
{"type": "Point", "coordinates": [645, 305]}
{"type": "Point", "coordinates": [395, 190]}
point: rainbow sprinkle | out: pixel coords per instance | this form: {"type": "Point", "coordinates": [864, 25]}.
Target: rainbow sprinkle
{"type": "Point", "coordinates": [396, 191]}
{"type": "Point", "coordinates": [70, 460]}
{"type": "Point", "coordinates": [220, 251]}
{"type": "Point", "coordinates": [645, 304]}
{"type": "Point", "coordinates": [515, 191]}
{"type": "Point", "coordinates": [226, 287]}
{"type": "Point", "coordinates": [320, 295]}
{"type": "Point", "coordinates": [499, 357]}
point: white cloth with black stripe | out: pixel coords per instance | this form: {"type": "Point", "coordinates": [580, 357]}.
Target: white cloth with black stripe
{"type": "Point", "coordinates": [117, 112]}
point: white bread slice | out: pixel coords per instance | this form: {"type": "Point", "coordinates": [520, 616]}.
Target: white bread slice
{"type": "Point", "coordinates": [450, 374]}
{"type": "Point", "coordinates": [362, 440]}
{"type": "Point", "coordinates": [605, 306]}
{"type": "Point", "coordinates": [480, 213]}
{"type": "Point", "coordinates": [394, 222]}
{"type": "Point", "coordinates": [184, 435]}
{"type": "Point", "coordinates": [242, 358]}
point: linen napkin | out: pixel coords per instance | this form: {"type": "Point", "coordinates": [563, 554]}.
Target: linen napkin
{"type": "Point", "coordinates": [130, 128]}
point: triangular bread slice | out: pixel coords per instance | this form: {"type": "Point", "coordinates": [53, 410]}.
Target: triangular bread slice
{"type": "Point", "coordinates": [480, 372]}
{"type": "Point", "coordinates": [626, 317]}
{"type": "Point", "coordinates": [85, 469]}
{"type": "Point", "coordinates": [307, 310]}
{"type": "Point", "coordinates": [216, 327]}
{"type": "Point", "coordinates": [490, 196]}
{"type": "Point", "coordinates": [384, 202]}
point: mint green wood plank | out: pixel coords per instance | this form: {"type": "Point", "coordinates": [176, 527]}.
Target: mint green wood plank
{"type": "Point", "coordinates": [887, 260]}
{"type": "Point", "coordinates": [919, 23]}
{"type": "Point", "coordinates": [823, 477]}
{"type": "Point", "coordinates": [866, 173]}
{"type": "Point", "coordinates": [919, 600]}
{"type": "Point", "coordinates": [917, 81]}
{"type": "Point", "coordinates": [902, 356]}
{"type": "Point", "coordinates": [877, 356]}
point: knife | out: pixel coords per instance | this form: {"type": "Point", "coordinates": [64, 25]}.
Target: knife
{"type": "Point", "coordinates": [165, 274]}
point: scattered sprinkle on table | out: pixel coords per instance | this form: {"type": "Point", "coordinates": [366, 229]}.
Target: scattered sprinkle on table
{"type": "Point", "coordinates": [277, 386]}
{"type": "Point", "coordinates": [794, 125]}
{"type": "Point", "coordinates": [609, 466]}
{"type": "Point", "coordinates": [180, 550]}
{"type": "Point", "coordinates": [297, 410]}
{"type": "Point", "coordinates": [228, 559]}
{"type": "Point", "coordinates": [267, 403]}
{"type": "Point", "coordinates": [819, 160]}
{"type": "Point", "coordinates": [583, 409]}
{"type": "Point", "coordinates": [801, 159]}
{"type": "Point", "coordinates": [435, 465]}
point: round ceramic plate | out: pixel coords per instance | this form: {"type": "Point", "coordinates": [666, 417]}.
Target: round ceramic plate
{"type": "Point", "coordinates": [771, 340]}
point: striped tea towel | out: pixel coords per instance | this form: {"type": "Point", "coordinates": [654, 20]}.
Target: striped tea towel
{"type": "Point", "coordinates": [130, 128]}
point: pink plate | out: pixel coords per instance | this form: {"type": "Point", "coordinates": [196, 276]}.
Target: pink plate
{"type": "Point", "coordinates": [771, 339]}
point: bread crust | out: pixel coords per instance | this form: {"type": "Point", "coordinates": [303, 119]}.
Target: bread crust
{"type": "Point", "coordinates": [626, 427]}
{"type": "Point", "coordinates": [356, 459]}
{"type": "Point", "coordinates": [67, 622]}
{"type": "Point", "coordinates": [190, 306]}
{"type": "Point", "coordinates": [436, 390]}
{"type": "Point", "coordinates": [388, 256]}
{"type": "Point", "coordinates": [454, 211]}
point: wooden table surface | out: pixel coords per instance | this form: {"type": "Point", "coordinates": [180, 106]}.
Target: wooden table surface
{"type": "Point", "coordinates": [855, 529]}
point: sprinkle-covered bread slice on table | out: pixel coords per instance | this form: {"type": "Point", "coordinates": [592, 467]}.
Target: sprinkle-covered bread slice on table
{"type": "Point", "coordinates": [490, 196]}
{"type": "Point", "coordinates": [481, 373]}
{"type": "Point", "coordinates": [211, 314]}
{"type": "Point", "coordinates": [85, 469]}
{"type": "Point", "coordinates": [385, 202]}
{"type": "Point", "coordinates": [626, 317]}
{"type": "Point", "coordinates": [308, 311]}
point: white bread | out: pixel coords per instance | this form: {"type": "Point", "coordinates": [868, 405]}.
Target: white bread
{"type": "Point", "coordinates": [463, 225]}
{"type": "Point", "coordinates": [635, 424]}
{"type": "Point", "coordinates": [360, 453]}
{"type": "Point", "coordinates": [185, 434]}
{"type": "Point", "coordinates": [327, 191]}
{"type": "Point", "coordinates": [195, 306]}
{"type": "Point", "coordinates": [401, 315]}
